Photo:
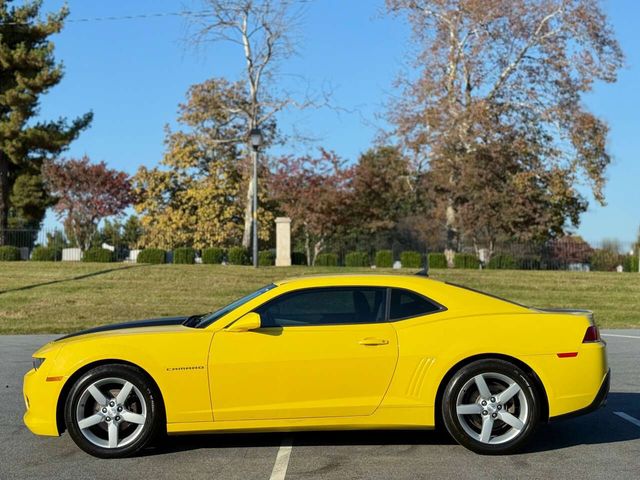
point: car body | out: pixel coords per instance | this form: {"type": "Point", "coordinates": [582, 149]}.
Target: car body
{"type": "Point", "coordinates": [325, 352]}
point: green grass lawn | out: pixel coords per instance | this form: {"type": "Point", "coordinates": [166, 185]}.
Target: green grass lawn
{"type": "Point", "coordinates": [64, 297]}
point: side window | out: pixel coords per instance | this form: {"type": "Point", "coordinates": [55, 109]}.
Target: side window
{"type": "Point", "coordinates": [325, 306]}
{"type": "Point", "coordinates": [406, 304]}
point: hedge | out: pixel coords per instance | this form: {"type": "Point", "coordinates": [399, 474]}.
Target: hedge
{"type": "Point", "coordinates": [238, 256]}
{"type": "Point", "coordinates": [46, 254]}
{"type": "Point", "coordinates": [266, 258]}
{"type": "Point", "coordinates": [213, 255]}
{"type": "Point", "coordinates": [384, 259]}
{"type": "Point", "coordinates": [326, 260]}
{"type": "Point", "coordinates": [97, 255]}
{"type": "Point", "coordinates": [466, 260]}
{"type": "Point", "coordinates": [437, 260]}
{"type": "Point", "coordinates": [411, 259]}
{"type": "Point", "coordinates": [298, 258]}
{"type": "Point", "coordinates": [9, 254]}
{"type": "Point", "coordinates": [357, 259]}
{"type": "Point", "coordinates": [152, 255]}
{"type": "Point", "coordinates": [503, 261]}
{"type": "Point", "coordinates": [184, 256]}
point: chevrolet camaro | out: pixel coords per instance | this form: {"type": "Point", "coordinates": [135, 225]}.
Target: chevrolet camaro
{"type": "Point", "coordinates": [331, 352]}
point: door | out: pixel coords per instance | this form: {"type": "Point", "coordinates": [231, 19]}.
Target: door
{"type": "Point", "coordinates": [319, 352]}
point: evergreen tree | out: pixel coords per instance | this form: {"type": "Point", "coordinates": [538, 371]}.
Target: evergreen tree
{"type": "Point", "coordinates": [27, 71]}
{"type": "Point", "coordinates": [132, 231]}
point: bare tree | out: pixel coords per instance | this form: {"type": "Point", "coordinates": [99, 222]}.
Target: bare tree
{"type": "Point", "coordinates": [491, 71]}
{"type": "Point", "coordinates": [264, 31]}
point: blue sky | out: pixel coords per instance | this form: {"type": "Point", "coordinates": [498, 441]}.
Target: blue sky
{"type": "Point", "coordinates": [133, 74]}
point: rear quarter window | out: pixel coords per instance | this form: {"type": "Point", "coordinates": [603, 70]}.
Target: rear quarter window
{"type": "Point", "coordinates": [408, 304]}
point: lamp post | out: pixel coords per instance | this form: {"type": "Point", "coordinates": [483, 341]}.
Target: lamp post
{"type": "Point", "coordinates": [255, 140]}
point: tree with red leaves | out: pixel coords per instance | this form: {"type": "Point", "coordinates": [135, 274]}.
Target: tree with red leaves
{"type": "Point", "coordinates": [86, 193]}
{"type": "Point", "coordinates": [313, 192]}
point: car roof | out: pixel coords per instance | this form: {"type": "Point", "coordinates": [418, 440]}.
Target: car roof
{"type": "Point", "coordinates": [350, 278]}
{"type": "Point", "coordinates": [463, 298]}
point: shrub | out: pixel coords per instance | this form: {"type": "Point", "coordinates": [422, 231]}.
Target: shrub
{"type": "Point", "coordinates": [326, 260]}
{"type": "Point", "coordinates": [356, 259]}
{"type": "Point", "coordinates": [46, 254]}
{"type": "Point", "coordinates": [97, 255]}
{"type": "Point", "coordinates": [184, 256]}
{"type": "Point", "coordinates": [503, 261]}
{"type": "Point", "coordinates": [437, 260]}
{"type": "Point", "coordinates": [384, 259]}
{"type": "Point", "coordinates": [298, 258]}
{"type": "Point", "coordinates": [411, 259]}
{"type": "Point", "coordinates": [152, 255]}
{"type": "Point", "coordinates": [466, 260]}
{"type": "Point", "coordinates": [604, 260]}
{"type": "Point", "coordinates": [9, 254]}
{"type": "Point", "coordinates": [213, 255]}
{"type": "Point", "coordinates": [238, 256]}
{"type": "Point", "coordinates": [266, 258]}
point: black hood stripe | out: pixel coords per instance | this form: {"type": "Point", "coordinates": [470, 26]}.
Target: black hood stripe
{"type": "Point", "coordinates": [152, 322]}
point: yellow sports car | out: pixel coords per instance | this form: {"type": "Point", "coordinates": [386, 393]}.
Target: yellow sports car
{"type": "Point", "coordinates": [331, 352]}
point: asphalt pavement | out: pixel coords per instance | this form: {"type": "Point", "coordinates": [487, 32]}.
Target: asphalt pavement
{"type": "Point", "coordinates": [604, 444]}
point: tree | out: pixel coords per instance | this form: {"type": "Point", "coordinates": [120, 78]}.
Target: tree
{"type": "Point", "coordinates": [110, 233]}
{"type": "Point", "coordinates": [29, 201]}
{"type": "Point", "coordinates": [492, 71]}
{"type": "Point", "coordinates": [132, 231]}
{"type": "Point", "coordinates": [504, 194]}
{"type": "Point", "coordinates": [263, 30]}
{"type": "Point", "coordinates": [313, 192]}
{"type": "Point", "coordinates": [196, 197]}
{"type": "Point", "coordinates": [56, 240]}
{"type": "Point", "coordinates": [86, 193]}
{"type": "Point", "coordinates": [27, 71]}
{"type": "Point", "coordinates": [571, 249]}
{"type": "Point", "coordinates": [383, 190]}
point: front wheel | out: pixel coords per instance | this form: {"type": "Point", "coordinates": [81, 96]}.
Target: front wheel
{"type": "Point", "coordinates": [112, 411]}
{"type": "Point", "coordinates": [491, 407]}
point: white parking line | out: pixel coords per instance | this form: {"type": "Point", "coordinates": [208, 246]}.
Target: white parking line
{"type": "Point", "coordinates": [620, 336]}
{"type": "Point", "coordinates": [282, 460]}
{"type": "Point", "coordinates": [628, 418]}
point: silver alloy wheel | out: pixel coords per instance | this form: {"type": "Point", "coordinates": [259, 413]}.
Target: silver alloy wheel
{"type": "Point", "coordinates": [492, 408]}
{"type": "Point", "coordinates": [111, 413]}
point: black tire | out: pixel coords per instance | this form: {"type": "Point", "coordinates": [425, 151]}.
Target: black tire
{"type": "Point", "coordinates": [142, 406]}
{"type": "Point", "coordinates": [467, 428]}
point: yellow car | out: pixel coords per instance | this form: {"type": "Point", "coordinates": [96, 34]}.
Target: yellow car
{"type": "Point", "coordinates": [331, 352]}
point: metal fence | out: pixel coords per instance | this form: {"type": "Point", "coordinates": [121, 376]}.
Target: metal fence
{"type": "Point", "coordinates": [552, 255]}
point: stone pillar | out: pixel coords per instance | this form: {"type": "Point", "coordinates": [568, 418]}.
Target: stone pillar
{"type": "Point", "coordinates": [283, 242]}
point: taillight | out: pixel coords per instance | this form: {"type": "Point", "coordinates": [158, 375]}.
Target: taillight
{"type": "Point", "coordinates": [591, 335]}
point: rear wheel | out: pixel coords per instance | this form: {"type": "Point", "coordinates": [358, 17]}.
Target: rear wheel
{"type": "Point", "coordinates": [491, 407]}
{"type": "Point", "coordinates": [113, 411]}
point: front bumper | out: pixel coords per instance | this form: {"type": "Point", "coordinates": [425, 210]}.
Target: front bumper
{"type": "Point", "coordinates": [41, 401]}
{"type": "Point", "coordinates": [600, 400]}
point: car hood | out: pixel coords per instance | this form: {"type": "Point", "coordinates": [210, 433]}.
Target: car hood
{"type": "Point", "coordinates": [151, 322]}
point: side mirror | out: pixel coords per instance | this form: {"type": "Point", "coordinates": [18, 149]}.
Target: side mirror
{"type": "Point", "coordinates": [250, 321]}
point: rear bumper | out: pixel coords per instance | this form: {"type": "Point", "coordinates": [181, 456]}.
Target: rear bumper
{"type": "Point", "coordinates": [600, 400]}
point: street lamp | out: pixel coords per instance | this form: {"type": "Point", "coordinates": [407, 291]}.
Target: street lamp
{"type": "Point", "coordinates": [255, 140]}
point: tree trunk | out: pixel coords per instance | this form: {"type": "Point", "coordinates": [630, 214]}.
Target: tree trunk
{"type": "Point", "coordinates": [246, 234]}
{"type": "Point", "coordinates": [4, 197]}
{"type": "Point", "coordinates": [307, 247]}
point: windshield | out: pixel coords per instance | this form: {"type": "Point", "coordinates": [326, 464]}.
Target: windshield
{"type": "Point", "coordinates": [209, 318]}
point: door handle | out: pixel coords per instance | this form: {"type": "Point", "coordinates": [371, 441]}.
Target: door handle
{"type": "Point", "coordinates": [370, 341]}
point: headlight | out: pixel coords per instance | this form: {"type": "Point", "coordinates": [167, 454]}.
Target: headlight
{"type": "Point", "coordinates": [37, 362]}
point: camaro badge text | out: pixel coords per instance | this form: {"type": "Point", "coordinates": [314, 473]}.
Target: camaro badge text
{"type": "Point", "coordinates": [173, 369]}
